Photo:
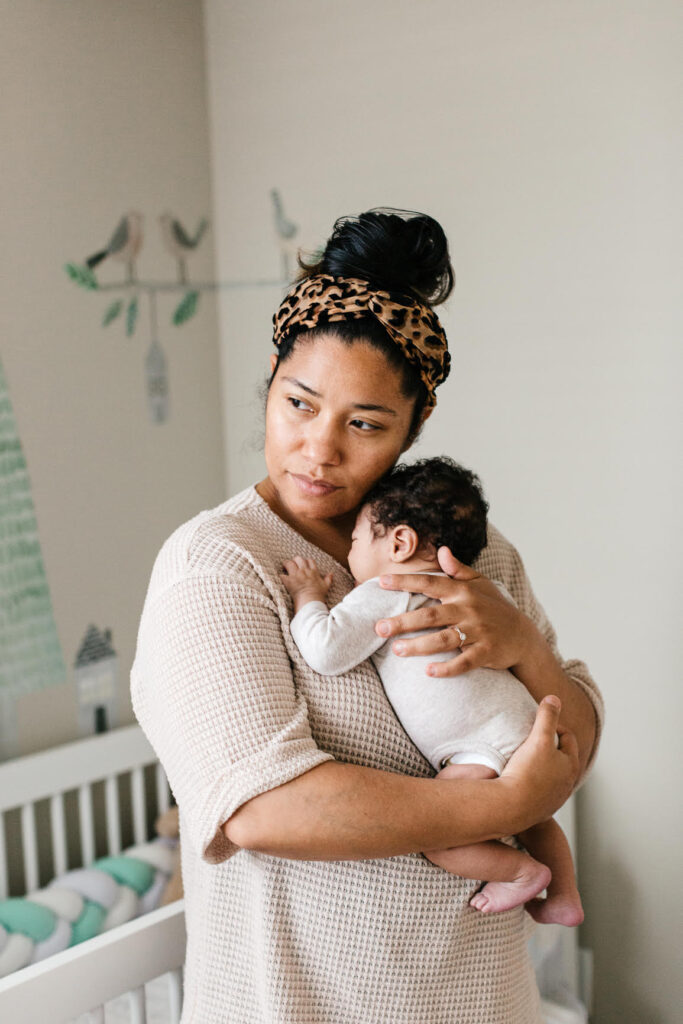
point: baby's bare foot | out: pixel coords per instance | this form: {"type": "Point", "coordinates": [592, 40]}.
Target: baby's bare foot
{"type": "Point", "coordinates": [563, 908]}
{"type": "Point", "coordinates": [498, 896]}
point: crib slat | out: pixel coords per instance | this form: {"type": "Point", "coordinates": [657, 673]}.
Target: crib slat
{"type": "Point", "coordinates": [175, 992]}
{"type": "Point", "coordinates": [111, 803]}
{"type": "Point", "coordinates": [85, 818]}
{"type": "Point", "coordinates": [58, 833]}
{"type": "Point", "coordinates": [163, 796]}
{"type": "Point", "coordinates": [28, 840]}
{"type": "Point", "coordinates": [139, 816]}
{"type": "Point", "coordinates": [138, 1010]}
{"type": "Point", "coordinates": [4, 881]}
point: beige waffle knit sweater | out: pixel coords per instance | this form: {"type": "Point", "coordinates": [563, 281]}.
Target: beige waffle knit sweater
{"type": "Point", "coordinates": [232, 710]}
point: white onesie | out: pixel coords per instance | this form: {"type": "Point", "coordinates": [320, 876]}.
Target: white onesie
{"type": "Point", "coordinates": [480, 717]}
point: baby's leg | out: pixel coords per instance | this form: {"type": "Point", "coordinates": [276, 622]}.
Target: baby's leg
{"type": "Point", "coordinates": [513, 877]}
{"type": "Point", "coordinates": [548, 842]}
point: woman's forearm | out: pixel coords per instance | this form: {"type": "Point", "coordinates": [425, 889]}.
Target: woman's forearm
{"type": "Point", "coordinates": [542, 674]}
{"type": "Point", "coordinates": [340, 811]}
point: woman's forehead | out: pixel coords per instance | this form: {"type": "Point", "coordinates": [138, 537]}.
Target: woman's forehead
{"type": "Point", "coordinates": [355, 373]}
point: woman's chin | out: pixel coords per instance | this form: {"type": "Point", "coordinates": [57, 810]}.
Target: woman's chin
{"type": "Point", "coordinates": [306, 505]}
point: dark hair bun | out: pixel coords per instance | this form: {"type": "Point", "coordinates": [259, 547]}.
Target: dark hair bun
{"type": "Point", "coordinates": [397, 250]}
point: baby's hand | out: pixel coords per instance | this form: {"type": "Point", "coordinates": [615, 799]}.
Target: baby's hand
{"type": "Point", "coordinates": [302, 579]}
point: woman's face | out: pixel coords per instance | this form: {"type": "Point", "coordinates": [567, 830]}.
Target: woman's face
{"type": "Point", "coordinates": [336, 420]}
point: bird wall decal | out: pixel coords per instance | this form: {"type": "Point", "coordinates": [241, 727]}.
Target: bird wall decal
{"type": "Point", "coordinates": [178, 242]}
{"type": "Point", "coordinates": [124, 244]}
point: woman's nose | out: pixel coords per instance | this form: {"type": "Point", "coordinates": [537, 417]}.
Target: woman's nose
{"type": "Point", "coordinates": [321, 444]}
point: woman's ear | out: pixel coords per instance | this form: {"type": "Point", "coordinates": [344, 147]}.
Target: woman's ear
{"type": "Point", "coordinates": [273, 363]}
{"type": "Point", "coordinates": [404, 542]}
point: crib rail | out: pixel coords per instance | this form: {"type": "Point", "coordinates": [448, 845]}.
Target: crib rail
{"type": "Point", "coordinates": [120, 961]}
{"type": "Point", "coordinates": [87, 976]}
{"type": "Point", "coordinates": [77, 766]}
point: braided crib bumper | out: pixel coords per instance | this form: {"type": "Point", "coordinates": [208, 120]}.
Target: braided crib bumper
{"type": "Point", "coordinates": [84, 902]}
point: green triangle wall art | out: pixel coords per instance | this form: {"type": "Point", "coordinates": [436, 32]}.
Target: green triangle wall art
{"type": "Point", "coordinates": [31, 656]}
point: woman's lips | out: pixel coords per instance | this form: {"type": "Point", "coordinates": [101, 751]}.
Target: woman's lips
{"type": "Point", "coordinates": [317, 488]}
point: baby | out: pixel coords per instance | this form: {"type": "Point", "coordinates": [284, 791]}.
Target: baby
{"type": "Point", "coordinates": [467, 726]}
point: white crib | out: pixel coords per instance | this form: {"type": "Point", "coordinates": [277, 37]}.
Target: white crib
{"type": "Point", "coordinates": [82, 979]}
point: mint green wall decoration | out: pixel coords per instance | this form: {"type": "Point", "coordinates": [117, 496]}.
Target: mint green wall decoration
{"type": "Point", "coordinates": [30, 653]}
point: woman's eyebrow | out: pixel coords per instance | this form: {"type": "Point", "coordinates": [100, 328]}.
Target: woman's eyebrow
{"type": "Point", "coordinates": [357, 405]}
{"type": "Point", "coordinates": [375, 408]}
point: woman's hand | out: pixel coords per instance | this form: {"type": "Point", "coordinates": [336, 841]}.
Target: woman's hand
{"type": "Point", "coordinates": [540, 774]}
{"type": "Point", "coordinates": [496, 633]}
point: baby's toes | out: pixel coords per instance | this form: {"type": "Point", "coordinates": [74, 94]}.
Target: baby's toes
{"type": "Point", "coordinates": [479, 901]}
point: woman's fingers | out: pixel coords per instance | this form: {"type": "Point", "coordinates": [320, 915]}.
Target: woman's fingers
{"type": "Point", "coordinates": [432, 616]}
{"type": "Point", "coordinates": [456, 569]}
{"type": "Point", "coordinates": [543, 774]}
{"type": "Point", "coordinates": [568, 743]}
{"type": "Point", "coordinates": [547, 718]}
{"type": "Point", "coordinates": [419, 583]}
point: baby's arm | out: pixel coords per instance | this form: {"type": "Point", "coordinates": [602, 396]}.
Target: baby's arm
{"type": "Point", "coordinates": [333, 642]}
{"type": "Point", "coordinates": [304, 582]}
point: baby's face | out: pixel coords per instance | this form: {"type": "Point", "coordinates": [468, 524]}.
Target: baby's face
{"type": "Point", "coordinates": [369, 555]}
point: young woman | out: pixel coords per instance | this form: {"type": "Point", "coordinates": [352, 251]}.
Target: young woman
{"type": "Point", "coordinates": [304, 807]}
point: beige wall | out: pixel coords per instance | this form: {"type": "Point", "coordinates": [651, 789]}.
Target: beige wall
{"type": "Point", "coordinates": [104, 111]}
{"type": "Point", "coordinates": [545, 137]}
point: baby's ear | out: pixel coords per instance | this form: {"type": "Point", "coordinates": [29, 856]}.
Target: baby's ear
{"type": "Point", "coordinates": [404, 543]}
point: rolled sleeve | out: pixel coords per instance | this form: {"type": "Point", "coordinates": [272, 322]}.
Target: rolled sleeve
{"type": "Point", "coordinates": [212, 688]}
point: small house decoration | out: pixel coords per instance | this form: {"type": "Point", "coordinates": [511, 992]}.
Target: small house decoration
{"type": "Point", "coordinates": [96, 674]}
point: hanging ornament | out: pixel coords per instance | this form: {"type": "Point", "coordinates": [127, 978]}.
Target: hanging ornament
{"type": "Point", "coordinates": [157, 383]}
{"type": "Point", "coordinates": [124, 247]}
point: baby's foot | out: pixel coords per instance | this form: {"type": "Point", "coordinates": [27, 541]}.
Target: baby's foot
{"type": "Point", "coordinates": [497, 896]}
{"type": "Point", "coordinates": [563, 908]}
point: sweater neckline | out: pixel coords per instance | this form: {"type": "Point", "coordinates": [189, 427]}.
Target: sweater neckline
{"type": "Point", "coordinates": [314, 547]}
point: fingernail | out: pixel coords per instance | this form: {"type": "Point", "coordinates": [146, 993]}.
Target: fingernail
{"type": "Point", "coordinates": [552, 699]}
{"type": "Point", "coordinates": [385, 581]}
{"type": "Point", "coordinates": [383, 628]}
{"type": "Point", "coordinates": [399, 647]}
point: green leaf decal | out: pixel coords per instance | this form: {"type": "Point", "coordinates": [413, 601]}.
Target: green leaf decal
{"type": "Point", "coordinates": [83, 276]}
{"type": "Point", "coordinates": [131, 315]}
{"type": "Point", "coordinates": [112, 312]}
{"type": "Point", "coordinates": [187, 308]}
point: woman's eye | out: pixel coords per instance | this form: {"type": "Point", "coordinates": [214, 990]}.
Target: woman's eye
{"type": "Point", "coordinates": [298, 403]}
{"type": "Point", "coordinates": [364, 425]}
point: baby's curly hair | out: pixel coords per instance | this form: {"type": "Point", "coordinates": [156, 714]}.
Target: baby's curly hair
{"type": "Point", "coordinates": [442, 501]}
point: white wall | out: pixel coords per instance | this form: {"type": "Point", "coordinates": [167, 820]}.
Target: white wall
{"type": "Point", "coordinates": [545, 138]}
{"type": "Point", "coordinates": [104, 110]}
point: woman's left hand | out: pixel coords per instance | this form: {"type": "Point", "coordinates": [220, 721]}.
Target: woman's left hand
{"type": "Point", "coordinates": [497, 634]}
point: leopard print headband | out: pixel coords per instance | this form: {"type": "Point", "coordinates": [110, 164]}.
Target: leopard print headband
{"type": "Point", "coordinates": [415, 328]}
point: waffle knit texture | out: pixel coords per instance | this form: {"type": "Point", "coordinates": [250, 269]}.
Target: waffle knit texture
{"type": "Point", "coordinates": [232, 710]}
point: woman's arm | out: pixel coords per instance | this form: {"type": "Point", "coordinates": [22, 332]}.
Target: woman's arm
{"type": "Point", "coordinates": [499, 635]}
{"type": "Point", "coordinates": [212, 687]}
{"type": "Point", "coordinates": [341, 811]}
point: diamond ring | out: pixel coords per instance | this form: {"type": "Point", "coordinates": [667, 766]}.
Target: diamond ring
{"type": "Point", "coordinates": [463, 636]}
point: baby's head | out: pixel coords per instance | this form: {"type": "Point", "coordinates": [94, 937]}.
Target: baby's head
{"type": "Point", "coordinates": [411, 512]}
